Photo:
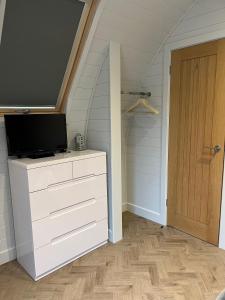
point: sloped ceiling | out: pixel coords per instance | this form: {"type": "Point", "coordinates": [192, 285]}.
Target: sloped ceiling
{"type": "Point", "coordinates": [140, 26]}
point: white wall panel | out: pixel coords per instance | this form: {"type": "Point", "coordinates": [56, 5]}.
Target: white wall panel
{"type": "Point", "coordinates": [7, 250]}
{"type": "Point", "coordinates": [140, 27]}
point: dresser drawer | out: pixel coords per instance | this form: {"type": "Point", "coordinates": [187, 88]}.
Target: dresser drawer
{"type": "Point", "coordinates": [41, 178]}
{"type": "Point", "coordinates": [89, 167]}
{"type": "Point", "coordinates": [67, 247]}
{"type": "Point", "coordinates": [67, 220]}
{"type": "Point", "coordinates": [55, 198]}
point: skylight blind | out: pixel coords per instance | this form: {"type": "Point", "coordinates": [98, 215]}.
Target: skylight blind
{"type": "Point", "coordinates": [36, 43]}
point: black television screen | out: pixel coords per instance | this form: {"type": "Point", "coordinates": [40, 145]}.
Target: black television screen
{"type": "Point", "coordinates": [35, 134]}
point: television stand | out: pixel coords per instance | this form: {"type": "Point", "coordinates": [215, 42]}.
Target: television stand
{"type": "Point", "coordinates": [41, 155]}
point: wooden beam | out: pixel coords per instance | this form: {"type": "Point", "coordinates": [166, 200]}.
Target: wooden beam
{"type": "Point", "coordinates": [89, 13]}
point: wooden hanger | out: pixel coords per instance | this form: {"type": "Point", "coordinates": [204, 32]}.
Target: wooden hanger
{"type": "Point", "coordinates": [144, 103]}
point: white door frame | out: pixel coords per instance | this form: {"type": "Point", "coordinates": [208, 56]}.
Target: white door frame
{"type": "Point", "coordinates": [165, 123]}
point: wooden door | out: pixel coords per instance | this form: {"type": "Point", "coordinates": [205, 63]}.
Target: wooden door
{"type": "Point", "coordinates": [197, 130]}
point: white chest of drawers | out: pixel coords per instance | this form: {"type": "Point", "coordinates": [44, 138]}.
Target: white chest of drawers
{"type": "Point", "coordinates": [59, 208]}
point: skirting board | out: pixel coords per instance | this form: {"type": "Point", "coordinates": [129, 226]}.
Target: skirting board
{"type": "Point", "coordinates": [145, 213]}
{"type": "Point", "coordinates": [111, 240]}
{"type": "Point", "coordinates": [124, 207]}
{"type": "Point", "coordinates": [7, 255]}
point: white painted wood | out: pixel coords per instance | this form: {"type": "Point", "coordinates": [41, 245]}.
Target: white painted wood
{"type": "Point", "coordinates": [144, 212]}
{"type": "Point", "coordinates": [87, 167]}
{"type": "Point", "coordinates": [69, 261]}
{"type": "Point", "coordinates": [41, 178]}
{"type": "Point", "coordinates": [70, 246]}
{"type": "Point", "coordinates": [7, 255]}
{"type": "Point", "coordinates": [120, 21]}
{"type": "Point", "coordinates": [67, 220]}
{"type": "Point", "coordinates": [49, 201]}
{"type": "Point", "coordinates": [116, 164]}
{"type": "Point", "coordinates": [21, 216]}
{"type": "Point", "coordinates": [124, 206]}
{"type": "Point", "coordinates": [104, 132]}
{"type": "Point", "coordinates": [63, 218]}
{"type": "Point", "coordinates": [29, 163]}
{"type": "Point", "coordinates": [83, 69]}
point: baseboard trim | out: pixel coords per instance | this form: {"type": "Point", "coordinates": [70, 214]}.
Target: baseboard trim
{"type": "Point", "coordinates": [124, 207]}
{"type": "Point", "coordinates": [110, 235]}
{"type": "Point", "coordinates": [7, 255]}
{"type": "Point", "coordinates": [145, 213]}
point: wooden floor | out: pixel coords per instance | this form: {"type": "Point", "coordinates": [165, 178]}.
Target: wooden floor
{"type": "Point", "coordinates": [150, 263]}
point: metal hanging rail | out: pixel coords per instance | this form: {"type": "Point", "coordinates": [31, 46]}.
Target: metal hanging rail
{"type": "Point", "coordinates": [142, 94]}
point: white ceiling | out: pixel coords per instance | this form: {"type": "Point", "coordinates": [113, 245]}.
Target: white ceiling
{"type": "Point", "coordinates": [140, 26]}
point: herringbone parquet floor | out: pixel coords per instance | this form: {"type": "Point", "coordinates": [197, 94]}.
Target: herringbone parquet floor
{"type": "Point", "coordinates": [149, 264]}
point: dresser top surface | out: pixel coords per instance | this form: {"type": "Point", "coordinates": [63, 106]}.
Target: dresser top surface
{"type": "Point", "coordinates": [29, 163]}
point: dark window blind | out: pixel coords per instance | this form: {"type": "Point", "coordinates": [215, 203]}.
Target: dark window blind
{"type": "Point", "coordinates": [36, 43]}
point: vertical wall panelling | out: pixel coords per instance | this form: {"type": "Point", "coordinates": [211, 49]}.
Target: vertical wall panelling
{"type": "Point", "coordinates": [138, 46]}
{"type": "Point", "coordinates": [7, 248]}
{"type": "Point", "coordinates": [103, 133]}
{"type": "Point", "coordinates": [84, 82]}
{"type": "Point", "coordinates": [143, 153]}
{"type": "Point", "coordinates": [98, 125]}
{"type": "Point", "coordinates": [7, 243]}
{"type": "Point", "coordinates": [204, 21]}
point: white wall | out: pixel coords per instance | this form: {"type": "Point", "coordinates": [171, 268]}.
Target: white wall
{"type": "Point", "coordinates": [103, 132]}
{"type": "Point", "coordinates": [7, 250]}
{"type": "Point", "coordinates": [82, 93]}
{"type": "Point", "coordinates": [144, 150]}
{"type": "Point", "coordinates": [98, 128]}
{"type": "Point", "coordinates": [202, 19]}
{"type": "Point", "coordinates": [140, 30]}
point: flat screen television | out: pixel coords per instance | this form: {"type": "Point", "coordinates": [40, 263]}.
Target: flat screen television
{"type": "Point", "coordinates": [35, 135]}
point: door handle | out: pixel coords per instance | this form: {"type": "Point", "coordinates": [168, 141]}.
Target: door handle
{"type": "Point", "coordinates": [214, 150]}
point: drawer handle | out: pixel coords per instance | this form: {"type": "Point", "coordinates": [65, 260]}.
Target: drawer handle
{"type": "Point", "coordinates": [85, 176]}
{"type": "Point", "coordinates": [73, 207]}
{"type": "Point", "coordinates": [71, 233]}
{"type": "Point", "coordinates": [70, 182]}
